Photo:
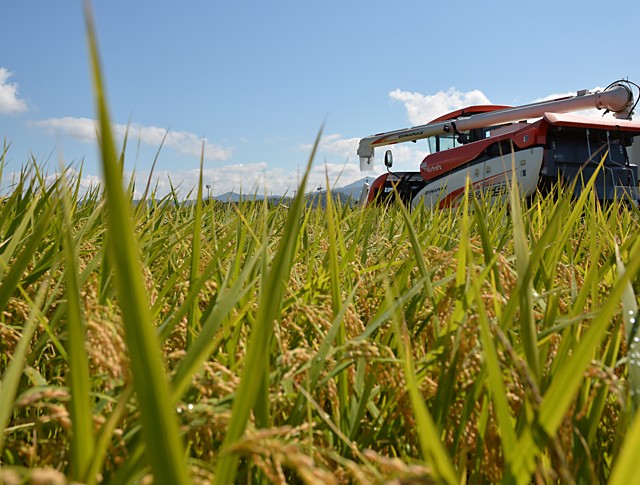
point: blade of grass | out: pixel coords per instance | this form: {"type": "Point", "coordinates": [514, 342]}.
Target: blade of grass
{"type": "Point", "coordinates": [194, 311]}
{"type": "Point", "coordinates": [318, 362]}
{"type": "Point", "coordinates": [160, 428]}
{"type": "Point", "coordinates": [485, 238]}
{"type": "Point", "coordinates": [105, 435]}
{"type": "Point", "coordinates": [630, 316]}
{"type": "Point", "coordinates": [144, 198]}
{"type": "Point", "coordinates": [495, 381]}
{"type": "Point", "coordinates": [203, 344]}
{"type": "Point", "coordinates": [11, 280]}
{"type": "Point", "coordinates": [344, 438]}
{"type": "Point", "coordinates": [625, 468]}
{"type": "Point", "coordinates": [528, 332]}
{"type": "Point", "coordinates": [565, 383]}
{"type": "Point", "coordinates": [336, 303]}
{"type": "Point", "coordinates": [81, 409]}
{"type": "Point", "coordinates": [430, 441]}
{"type": "Point", "coordinates": [257, 355]}
{"type": "Point", "coordinates": [418, 254]}
{"type": "Point", "coordinates": [20, 219]}
{"type": "Point", "coordinates": [11, 377]}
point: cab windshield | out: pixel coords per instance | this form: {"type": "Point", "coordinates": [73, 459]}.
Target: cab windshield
{"type": "Point", "coordinates": [439, 143]}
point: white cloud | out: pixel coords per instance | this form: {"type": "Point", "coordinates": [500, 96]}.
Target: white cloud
{"type": "Point", "coordinates": [182, 141]}
{"type": "Point", "coordinates": [246, 178]}
{"type": "Point", "coordinates": [249, 178]}
{"type": "Point", "coordinates": [334, 146]}
{"type": "Point", "coordinates": [422, 108]}
{"type": "Point", "coordinates": [84, 129]}
{"type": "Point", "coordinates": [9, 100]}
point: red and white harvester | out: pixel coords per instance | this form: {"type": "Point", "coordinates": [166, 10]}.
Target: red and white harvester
{"type": "Point", "coordinates": [539, 143]}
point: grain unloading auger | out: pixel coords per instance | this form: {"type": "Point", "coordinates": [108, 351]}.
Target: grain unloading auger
{"type": "Point", "coordinates": [539, 143]}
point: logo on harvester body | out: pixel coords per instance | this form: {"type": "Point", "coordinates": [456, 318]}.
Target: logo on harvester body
{"type": "Point", "coordinates": [431, 168]}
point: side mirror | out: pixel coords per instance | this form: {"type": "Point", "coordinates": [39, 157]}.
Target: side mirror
{"type": "Point", "coordinates": [388, 159]}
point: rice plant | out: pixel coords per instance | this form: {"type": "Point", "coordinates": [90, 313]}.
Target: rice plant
{"type": "Point", "coordinates": [251, 342]}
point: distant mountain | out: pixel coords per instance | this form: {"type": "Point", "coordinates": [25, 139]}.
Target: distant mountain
{"type": "Point", "coordinates": [230, 197]}
{"type": "Point", "coordinates": [349, 194]}
{"type": "Point", "coordinates": [354, 189]}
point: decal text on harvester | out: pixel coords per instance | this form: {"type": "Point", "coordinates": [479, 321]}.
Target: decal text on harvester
{"type": "Point", "coordinates": [496, 190]}
{"type": "Point", "coordinates": [433, 168]}
{"type": "Point", "coordinates": [409, 135]}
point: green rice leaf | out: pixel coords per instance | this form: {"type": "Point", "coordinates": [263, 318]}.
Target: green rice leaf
{"type": "Point", "coordinates": [568, 378]}
{"type": "Point", "coordinates": [194, 311]}
{"type": "Point", "coordinates": [160, 428]}
{"type": "Point", "coordinates": [11, 377]}
{"type": "Point", "coordinates": [430, 441]}
{"type": "Point", "coordinates": [256, 359]}
{"type": "Point", "coordinates": [319, 361]}
{"type": "Point", "coordinates": [336, 303]}
{"type": "Point", "coordinates": [625, 468]}
{"type": "Point", "coordinates": [630, 317]}
{"type": "Point", "coordinates": [16, 271]}
{"type": "Point", "coordinates": [495, 381]}
{"type": "Point", "coordinates": [81, 409]}
{"type": "Point", "coordinates": [528, 332]}
{"type": "Point", "coordinates": [205, 341]}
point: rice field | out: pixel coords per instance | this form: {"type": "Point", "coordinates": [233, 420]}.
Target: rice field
{"type": "Point", "coordinates": [165, 342]}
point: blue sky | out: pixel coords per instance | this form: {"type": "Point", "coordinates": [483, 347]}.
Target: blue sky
{"type": "Point", "coordinates": [255, 81]}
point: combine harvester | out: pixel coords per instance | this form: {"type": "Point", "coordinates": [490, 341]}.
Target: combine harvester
{"type": "Point", "coordinates": [538, 143]}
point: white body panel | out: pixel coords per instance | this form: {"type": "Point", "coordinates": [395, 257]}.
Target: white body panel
{"type": "Point", "coordinates": [492, 175]}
